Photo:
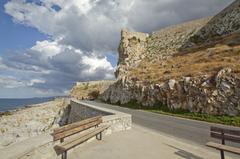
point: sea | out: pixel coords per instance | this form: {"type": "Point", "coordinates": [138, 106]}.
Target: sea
{"type": "Point", "coordinates": [7, 104]}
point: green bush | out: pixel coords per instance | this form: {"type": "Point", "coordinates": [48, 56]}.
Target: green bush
{"type": "Point", "coordinates": [94, 94]}
{"type": "Point", "coordinates": [161, 108]}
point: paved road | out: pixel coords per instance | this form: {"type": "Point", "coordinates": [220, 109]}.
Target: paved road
{"type": "Point", "coordinates": [190, 130]}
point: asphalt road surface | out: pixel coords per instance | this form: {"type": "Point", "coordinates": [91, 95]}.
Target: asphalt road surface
{"type": "Point", "coordinates": [193, 131]}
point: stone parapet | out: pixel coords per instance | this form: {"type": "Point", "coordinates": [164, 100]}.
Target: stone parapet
{"type": "Point", "coordinates": [118, 121]}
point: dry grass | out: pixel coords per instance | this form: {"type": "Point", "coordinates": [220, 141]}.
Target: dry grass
{"type": "Point", "coordinates": [84, 91]}
{"type": "Point", "coordinates": [206, 60]}
{"type": "Point", "coordinates": [89, 90]}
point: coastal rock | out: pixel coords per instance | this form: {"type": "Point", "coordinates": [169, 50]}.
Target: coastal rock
{"type": "Point", "coordinates": [32, 121]}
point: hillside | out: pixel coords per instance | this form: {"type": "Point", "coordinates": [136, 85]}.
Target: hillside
{"type": "Point", "coordinates": [192, 66]}
{"type": "Point", "coordinates": [205, 59]}
{"type": "Point", "coordinates": [89, 90]}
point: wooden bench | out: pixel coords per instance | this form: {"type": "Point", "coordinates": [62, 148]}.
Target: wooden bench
{"type": "Point", "coordinates": [82, 131]}
{"type": "Point", "coordinates": [225, 135]}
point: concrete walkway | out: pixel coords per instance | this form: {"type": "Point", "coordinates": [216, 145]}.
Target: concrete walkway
{"type": "Point", "coordinates": [141, 143]}
{"type": "Point", "coordinates": [196, 132]}
{"type": "Point", "coordinates": [21, 148]}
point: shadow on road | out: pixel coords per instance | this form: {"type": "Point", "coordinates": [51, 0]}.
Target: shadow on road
{"type": "Point", "coordinates": [184, 154]}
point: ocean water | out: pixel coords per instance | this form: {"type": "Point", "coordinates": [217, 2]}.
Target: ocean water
{"type": "Point", "coordinates": [11, 104]}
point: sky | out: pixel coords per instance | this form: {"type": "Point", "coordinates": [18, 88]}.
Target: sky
{"type": "Point", "coordinates": [48, 45]}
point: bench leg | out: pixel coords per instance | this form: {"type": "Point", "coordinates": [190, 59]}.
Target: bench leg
{"type": "Point", "coordinates": [223, 142]}
{"type": "Point", "coordinates": [99, 136]}
{"type": "Point", "coordinates": [64, 155]}
{"type": "Point", "coordinates": [222, 154]}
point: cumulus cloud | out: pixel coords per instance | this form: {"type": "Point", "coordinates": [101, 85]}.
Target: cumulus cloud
{"type": "Point", "coordinates": [57, 67]}
{"type": "Point", "coordinates": [7, 82]}
{"type": "Point", "coordinates": [95, 24]}
{"type": "Point", "coordinates": [161, 13]}
{"type": "Point", "coordinates": [83, 32]}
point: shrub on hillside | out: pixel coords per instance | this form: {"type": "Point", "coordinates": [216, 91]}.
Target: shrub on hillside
{"type": "Point", "coordinates": [93, 94]}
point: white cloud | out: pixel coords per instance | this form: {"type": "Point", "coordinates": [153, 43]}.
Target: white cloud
{"type": "Point", "coordinates": [35, 81]}
{"type": "Point", "coordinates": [82, 33]}
{"type": "Point", "coordinates": [49, 66]}
{"type": "Point", "coordinates": [84, 24]}
{"type": "Point", "coordinates": [10, 82]}
{"type": "Point", "coordinates": [95, 24]}
{"type": "Point", "coordinates": [96, 64]}
{"type": "Point", "coordinates": [48, 48]}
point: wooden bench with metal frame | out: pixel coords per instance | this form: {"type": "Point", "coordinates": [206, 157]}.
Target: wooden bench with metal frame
{"type": "Point", "coordinates": [225, 135]}
{"type": "Point", "coordinates": [86, 128]}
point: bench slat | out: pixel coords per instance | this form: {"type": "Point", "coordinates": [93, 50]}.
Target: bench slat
{"type": "Point", "coordinates": [80, 139]}
{"type": "Point", "coordinates": [74, 125]}
{"type": "Point", "coordinates": [226, 131]}
{"type": "Point", "coordinates": [224, 147]}
{"type": "Point", "coordinates": [226, 137]}
{"type": "Point", "coordinates": [75, 130]}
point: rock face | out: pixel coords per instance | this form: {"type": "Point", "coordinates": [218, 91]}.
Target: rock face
{"type": "Point", "coordinates": [166, 42]}
{"type": "Point", "coordinates": [226, 22]}
{"type": "Point", "coordinates": [89, 90]}
{"type": "Point", "coordinates": [218, 95]}
{"type": "Point", "coordinates": [212, 93]}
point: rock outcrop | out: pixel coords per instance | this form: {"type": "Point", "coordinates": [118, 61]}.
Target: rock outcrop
{"type": "Point", "coordinates": [166, 42]}
{"type": "Point", "coordinates": [89, 90]}
{"type": "Point", "coordinates": [209, 85]}
{"type": "Point", "coordinates": [224, 23]}
{"type": "Point", "coordinates": [218, 95]}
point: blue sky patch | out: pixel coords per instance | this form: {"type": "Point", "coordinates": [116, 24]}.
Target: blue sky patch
{"type": "Point", "coordinates": [56, 8]}
{"type": "Point", "coordinates": [16, 36]}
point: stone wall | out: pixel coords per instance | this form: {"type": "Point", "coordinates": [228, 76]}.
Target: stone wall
{"type": "Point", "coordinates": [118, 121]}
{"type": "Point", "coordinates": [80, 112]}
{"type": "Point", "coordinates": [131, 51]}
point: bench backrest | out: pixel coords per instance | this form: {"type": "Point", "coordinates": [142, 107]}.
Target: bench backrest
{"type": "Point", "coordinates": [225, 134]}
{"type": "Point", "coordinates": [71, 129]}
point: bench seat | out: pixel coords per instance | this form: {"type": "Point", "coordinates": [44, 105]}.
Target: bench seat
{"type": "Point", "coordinates": [68, 144]}
{"type": "Point", "coordinates": [224, 147]}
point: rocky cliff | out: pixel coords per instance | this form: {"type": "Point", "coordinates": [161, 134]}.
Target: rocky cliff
{"type": "Point", "coordinates": [224, 23]}
{"type": "Point", "coordinates": [89, 90]}
{"type": "Point", "coordinates": [193, 66]}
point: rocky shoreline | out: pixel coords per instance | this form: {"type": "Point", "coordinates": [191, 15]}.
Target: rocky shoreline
{"type": "Point", "coordinates": [30, 121]}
